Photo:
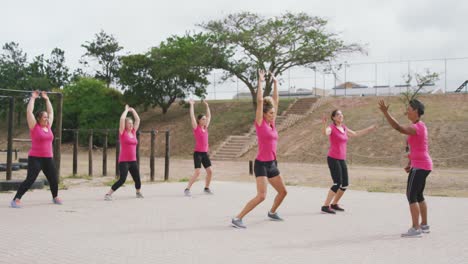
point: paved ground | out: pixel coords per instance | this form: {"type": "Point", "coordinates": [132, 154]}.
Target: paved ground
{"type": "Point", "coordinates": [166, 227]}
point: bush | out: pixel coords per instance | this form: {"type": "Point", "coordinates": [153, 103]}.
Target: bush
{"type": "Point", "coordinates": [89, 104]}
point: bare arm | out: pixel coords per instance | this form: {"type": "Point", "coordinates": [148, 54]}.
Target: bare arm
{"type": "Point", "coordinates": [361, 132]}
{"type": "Point", "coordinates": [259, 112]}
{"type": "Point", "coordinates": [30, 110]}
{"type": "Point", "coordinates": [50, 110]}
{"type": "Point", "coordinates": [192, 114]}
{"type": "Point", "coordinates": [136, 125]}
{"type": "Point", "coordinates": [275, 95]}
{"type": "Point", "coordinates": [122, 120]}
{"type": "Point", "coordinates": [326, 131]}
{"type": "Point", "coordinates": [407, 130]}
{"type": "Point", "coordinates": [208, 113]}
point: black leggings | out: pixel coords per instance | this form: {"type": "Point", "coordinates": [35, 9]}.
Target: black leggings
{"type": "Point", "coordinates": [124, 168]}
{"type": "Point", "coordinates": [339, 173]}
{"type": "Point", "coordinates": [416, 184]}
{"type": "Point", "coordinates": [35, 165]}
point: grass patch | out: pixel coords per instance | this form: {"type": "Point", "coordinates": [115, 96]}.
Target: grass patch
{"type": "Point", "coordinates": [290, 183]}
{"type": "Point", "coordinates": [80, 176]}
{"type": "Point", "coordinates": [183, 180]}
{"type": "Point", "coordinates": [384, 189]}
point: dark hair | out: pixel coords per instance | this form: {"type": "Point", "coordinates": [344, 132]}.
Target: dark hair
{"type": "Point", "coordinates": [417, 105]}
{"type": "Point", "coordinates": [39, 114]}
{"type": "Point", "coordinates": [267, 104]}
{"type": "Point", "coordinates": [333, 114]}
{"type": "Point", "coordinates": [200, 116]}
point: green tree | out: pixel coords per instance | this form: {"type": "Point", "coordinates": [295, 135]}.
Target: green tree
{"type": "Point", "coordinates": [248, 42]}
{"type": "Point", "coordinates": [104, 49]}
{"type": "Point", "coordinates": [166, 73]}
{"type": "Point", "coordinates": [89, 104]}
{"type": "Point", "coordinates": [56, 70]}
{"type": "Point", "coordinates": [422, 80]}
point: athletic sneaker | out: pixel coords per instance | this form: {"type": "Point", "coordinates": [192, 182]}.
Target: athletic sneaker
{"type": "Point", "coordinates": [425, 229]}
{"type": "Point", "coordinates": [336, 207]}
{"type": "Point", "coordinates": [15, 204]}
{"type": "Point", "coordinates": [274, 216]}
{"type": "Point", "coordinates": [327, 210]}
{"type": "Point", "coordinates": [412, 232]}
{"type": "Point", "coordinates": [207, 191]}
{"type": "Point", "coordinates": [237, 223]}
{"type": "Point", "coordinates": [187, 193]}
{"type": "Point", "coordinates": [57, 200]}
{"type": "Point", "coordinates": [108, 197]}
{"type": "Point", "coordinates": [139, 195]}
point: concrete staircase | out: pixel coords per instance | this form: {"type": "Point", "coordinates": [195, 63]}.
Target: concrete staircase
{"type": "Point", "coordinates": [236, 145]}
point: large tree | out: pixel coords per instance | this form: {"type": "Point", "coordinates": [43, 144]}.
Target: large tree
{"type": "Point", "coordinates": [104, 49]}
{"type": "Point", "coordinates": [56, 70]}
{"type": "Point", "coordinates": [250, 42]}
{"type": "Point", "coordinates": [166, 73]}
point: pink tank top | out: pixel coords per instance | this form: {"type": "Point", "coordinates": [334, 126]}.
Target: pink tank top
{"type": "Point", "coordinates": [128, 146]}
{"type": "Point", "coordinates": [41, 142]}
{"type": "Point", "coordinates": [267, 137]}
{"type": "Point", "coordinates": [201, 139]}
{"type": "Point", "coordinates": [419, 147]}
{"type": "Point", "coordinates": [338, 142]}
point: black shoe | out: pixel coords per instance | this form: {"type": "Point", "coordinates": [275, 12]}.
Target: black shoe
{"type": "Point", "coordinates": [328, 210]}
{"type": "Point", "coordinates": [336, 207]}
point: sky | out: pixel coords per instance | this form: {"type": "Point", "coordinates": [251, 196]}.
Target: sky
{"type": "Point", "coordinates": [397, 30]}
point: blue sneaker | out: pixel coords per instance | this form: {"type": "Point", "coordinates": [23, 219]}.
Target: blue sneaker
{"type": "Point", "coordinates": [15, 203]}
{"type": "Point", "coordinates": [274, 216]}
{"type": "Point", "coordinates": [237, 223]}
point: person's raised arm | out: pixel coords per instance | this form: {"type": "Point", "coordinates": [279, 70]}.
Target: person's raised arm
{"type": "Point", "coordinates": [50, 110]}
{"type": "Point", "coordinates": [361, 132]}
{"type": "Point", "coordinates": [259, 112]}
{"type": "Point", "coordinates": [193, 120]}
{"type": "Point", "coordinates": [326, 130]}
{"type": "Point", "coordinates": [136, 125]}
{"type": "Point", "coordinates": [122, 120]}
{"type": "Point", "coordinates": [208, 113]}
{"type": "Point", "coordinates": [275, 95]}
{"type": "Point", "coordinates": [407, 130]}
{"type": "Point", "coordinates": [30, 110]}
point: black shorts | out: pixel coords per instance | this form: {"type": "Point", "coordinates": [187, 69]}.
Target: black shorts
{"type": "Point", "coordinates": [416, 184]}
{"type": "Point", "coordinates": [266, 168]}
{"type": "Point", "coordinates": [200, 158]}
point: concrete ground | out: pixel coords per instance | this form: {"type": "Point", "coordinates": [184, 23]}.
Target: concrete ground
{"type": "Point", "coordinates": [166, 227]}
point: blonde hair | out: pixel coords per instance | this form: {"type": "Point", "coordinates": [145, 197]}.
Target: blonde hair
{"type": "Point", "coordinates": [268, 104]}
{"type": "Point", "coordinates": [128, 119]}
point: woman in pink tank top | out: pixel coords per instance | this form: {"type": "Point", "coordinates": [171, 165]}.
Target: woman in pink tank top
{"type": "Point", "coordinates": [40, 156]}
{"type": "Point", "coordinates": [266, 166]}
{"type": "Point", "coordinates": [200, 154]}
{"type": "Point", "coordinates": [419, 164]}
{"type": "Point", "coordinates": [127, 155]}
{"type": "Point", "coordinates": [338, 136]}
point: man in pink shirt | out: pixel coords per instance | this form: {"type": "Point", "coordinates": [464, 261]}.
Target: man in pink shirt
{"type": "Point", "coordinates": [419, 165]}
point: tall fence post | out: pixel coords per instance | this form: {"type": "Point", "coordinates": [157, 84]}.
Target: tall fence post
{"type": "Point", "coordinates": [153, 139]}
{"type": "Point", "coordinates": [90, 153]}
{"type": "Point", "coordinates": [75, 152]}
{"type": "Point", "coordinates": [104, 153]}
{"type": "Point", "coordinates": [58, 135]}
{"type": "Point", "coordinates": [250, 167]}
{"type": "Point", "coordinates": [166, 159]}
{"type": "Point", "coordinates": [117, 152]}
{"type": "Point", "coordinates": [10, 138]}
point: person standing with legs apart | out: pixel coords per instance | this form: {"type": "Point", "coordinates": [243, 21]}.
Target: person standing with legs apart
{"type": "Point", "coordinates": [127, 156]}
{"type": "Point", "coordinates": [265, 166]}
{"type": "Point", "coordinates": [40, 156]}
{"type": "Point", "coordinates": [200, 154]}
{"type": "Point", "coordinates": [419, 165]}
{"type": "Point", "coordinates": [338, 136]}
